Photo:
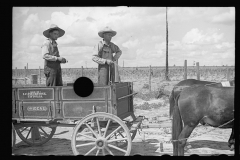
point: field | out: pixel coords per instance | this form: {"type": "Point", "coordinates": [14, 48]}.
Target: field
{"type": "Point", "coordinates": [134, 73]}
{"type": "Point", "coordinates": [152, 105]}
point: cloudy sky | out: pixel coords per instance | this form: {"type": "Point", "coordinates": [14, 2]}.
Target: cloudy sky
{"type": "Point", "coordinates": [202, 34]}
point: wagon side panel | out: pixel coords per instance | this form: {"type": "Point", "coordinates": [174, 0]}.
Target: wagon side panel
{"type": "Point", "coordinates": [34, 104]}
{"type": "Point", "coordinates": [76, 107]}
{"type": "Point", "coordinates": [123, 104]}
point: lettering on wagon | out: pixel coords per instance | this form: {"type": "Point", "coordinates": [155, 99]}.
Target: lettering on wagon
{"type": "Point", "coordinates": [34, 94]}
{"type": "Point", "coordinates": [38, 108]}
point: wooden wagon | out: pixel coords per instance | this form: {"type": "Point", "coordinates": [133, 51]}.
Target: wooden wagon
{"type": "Point", "coordinates": [104, 121]}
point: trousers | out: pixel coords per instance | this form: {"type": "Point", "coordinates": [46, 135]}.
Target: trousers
{"type": "Point", "coordinates": [54, 77]}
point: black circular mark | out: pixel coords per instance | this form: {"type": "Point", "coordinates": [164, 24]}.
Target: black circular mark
{"type": "Point", "coordinates": [83, 87]}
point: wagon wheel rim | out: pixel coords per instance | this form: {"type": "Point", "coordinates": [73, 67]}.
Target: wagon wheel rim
{"type": "Point", "coordinates": [44, 134]}
{"type": "Point", "coordinates": [133, 133]}
{"type": "Point", "coordinates": [98, 140]}
{"type": "Point", "coordinates": [13, 137]}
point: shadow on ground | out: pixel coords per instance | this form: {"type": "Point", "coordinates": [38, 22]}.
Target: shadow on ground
{"type": "Point", "coordinates": [60, 146]}
{"type": "Point", "coordinates": [209, 144]}
{"type": "Point", "coordinates": [55, 146]}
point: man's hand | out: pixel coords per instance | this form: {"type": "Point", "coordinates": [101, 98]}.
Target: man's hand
{"type": "Point", "coordinates": [61, 59]}
{"type": "Point", "coordinates": [108, 61]}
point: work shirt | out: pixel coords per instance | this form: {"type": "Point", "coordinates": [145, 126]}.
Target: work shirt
{"type": "Point", "coordinates": [50, 50]}
{"type": "Point", "coordinates": [50, 53]}
{"type": "Point", "coordinates": [103, 51]}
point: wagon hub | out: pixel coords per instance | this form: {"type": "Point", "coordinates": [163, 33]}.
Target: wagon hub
{"type": "Point", "coordinates": [100, 143]}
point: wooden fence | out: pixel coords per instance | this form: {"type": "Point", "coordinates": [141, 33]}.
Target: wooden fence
{"type": "Point", "coordinates": [149, 72]}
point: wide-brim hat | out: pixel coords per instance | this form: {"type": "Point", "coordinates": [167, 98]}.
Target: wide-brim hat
{"type": "Point", "coordinates": [53, 26]}
{"type": "Point", "coordinates": [106, 30]}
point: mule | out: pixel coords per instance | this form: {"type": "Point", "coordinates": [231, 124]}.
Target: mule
{"type": "Point", "coordinates": [186, 83]}
{"type": "Point", "coordinates": [200, 104]}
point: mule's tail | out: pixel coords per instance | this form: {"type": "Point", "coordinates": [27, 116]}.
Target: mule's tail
{"type": "Point", "coordinates": [177, 126]}
{"type": "Point", "coordinates": [171, 103]}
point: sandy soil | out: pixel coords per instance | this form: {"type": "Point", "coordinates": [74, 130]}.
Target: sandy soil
{"type": "Point", "coordinates": [146, 142]}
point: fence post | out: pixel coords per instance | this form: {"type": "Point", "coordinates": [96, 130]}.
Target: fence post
{"type": "Point", "coordinates": [34, 78]}
{"type": "Point", "coordinates": [150, 78]}
{"type": "Point", "coordinates": [82, 71]}
{"type": "Point", "coordinates": [25, 74]}
{"type": "Point", "coordinates": [198, 73]}
{"type": "Point", "coordinates": [15, 72]}
{"type": "Point", "coordinates": [233, 74]}
{"type": "Point", "coordinates": [185, 69]}
{"type": "Point", "coordinates": [228, 74]}
{"type": "Point", "coordinates": [39, 75]}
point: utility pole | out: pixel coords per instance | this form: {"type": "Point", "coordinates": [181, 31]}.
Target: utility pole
{"type": "Point", "coordinates": [166, 73]}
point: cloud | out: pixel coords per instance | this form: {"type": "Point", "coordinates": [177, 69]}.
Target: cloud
{"type": "Point", "coordinates": [37, 40]}
{"type": "Point", "coordinates": [225, 18]}
{"type": "Point", "coordinates": [62, 20]}
{"type": "Point", "coordinates": [24, 11]}
{"type": "Point", "coordinates": [68, 39]}
{"type": "Point", "coordinates": [195, 36]}
{"type": "Point", "coordinates": [32, 24]}
{"type": "Point", "coordinates": [131, 43]}
{"type": "Point", "coordinates": [18, 12]}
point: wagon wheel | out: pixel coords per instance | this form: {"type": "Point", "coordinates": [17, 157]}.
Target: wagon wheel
{"type": "Point", "coordinates": [121, 134]}
{"type": "Point", "coordinates": [102, 142]}
{"type": "Point", "coordinates": [13, 137]}
{"type": "Point", "coordinates": [44, 133]}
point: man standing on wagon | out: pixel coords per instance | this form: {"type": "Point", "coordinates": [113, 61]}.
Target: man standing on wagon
{"type": "Point", "coordinates": [103, 55]}
{"type": "Point", "coordinates": [52, 59]}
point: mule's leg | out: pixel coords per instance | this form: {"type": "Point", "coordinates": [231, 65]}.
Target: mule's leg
{"type": "Point", "coordinates": [176, 129]}
{"type": "Point", "coordinates": [186, 132]}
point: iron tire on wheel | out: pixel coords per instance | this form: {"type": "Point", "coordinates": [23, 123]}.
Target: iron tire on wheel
{"type": "Point", "coordinates": [13, 137]}
{"type": "Point", "coordinates": [44, 136]}
{"type": "Point", "coordinates": [100, 142]}
{"type": "Point", "coordinates": [132, 133]}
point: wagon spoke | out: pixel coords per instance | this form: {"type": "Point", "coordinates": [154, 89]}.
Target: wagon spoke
{"type": "Point", "coordinates": [97, 152]}
{"type": "Point", "coordinates": [90, 151]}
{"type": "Point", "coordinates": [109, 151]}
{"type": "Point", "coordinates": [121, 134]}
{"type": "Point", "coordinates": [91, 130]}
{"type": "Point", "coordinates": [103, 152]}
{"type": "Point", "coordinates": [29, 133]}
{"type": "Point", "coordinates": [23, 129]}
{"type": "Point", "coordinates": [90, 138]}
{"type": "Point", "coordinates": [113, 132]}
{"type": "Point", "coordinates": [106, 128]}
{"type": "Point", "coordinates": [114, 140]}
{"type": "Point", "coordinates": [112, 146]}
{"type": "Point", "coordinates": [99, 129]}
{"type": "Point", "coordinates": [44, 131]}
{"type": "Point", "coordinates": [86, 144]}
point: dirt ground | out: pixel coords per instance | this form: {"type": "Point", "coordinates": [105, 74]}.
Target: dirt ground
{"type": "Point", "coordinates": [146, 142]}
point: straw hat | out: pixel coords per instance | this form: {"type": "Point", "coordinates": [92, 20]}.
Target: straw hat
{"type": "Point", "coordinates": [54, 26]}
{"type": "Point", "coordinates": [106, 30]}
